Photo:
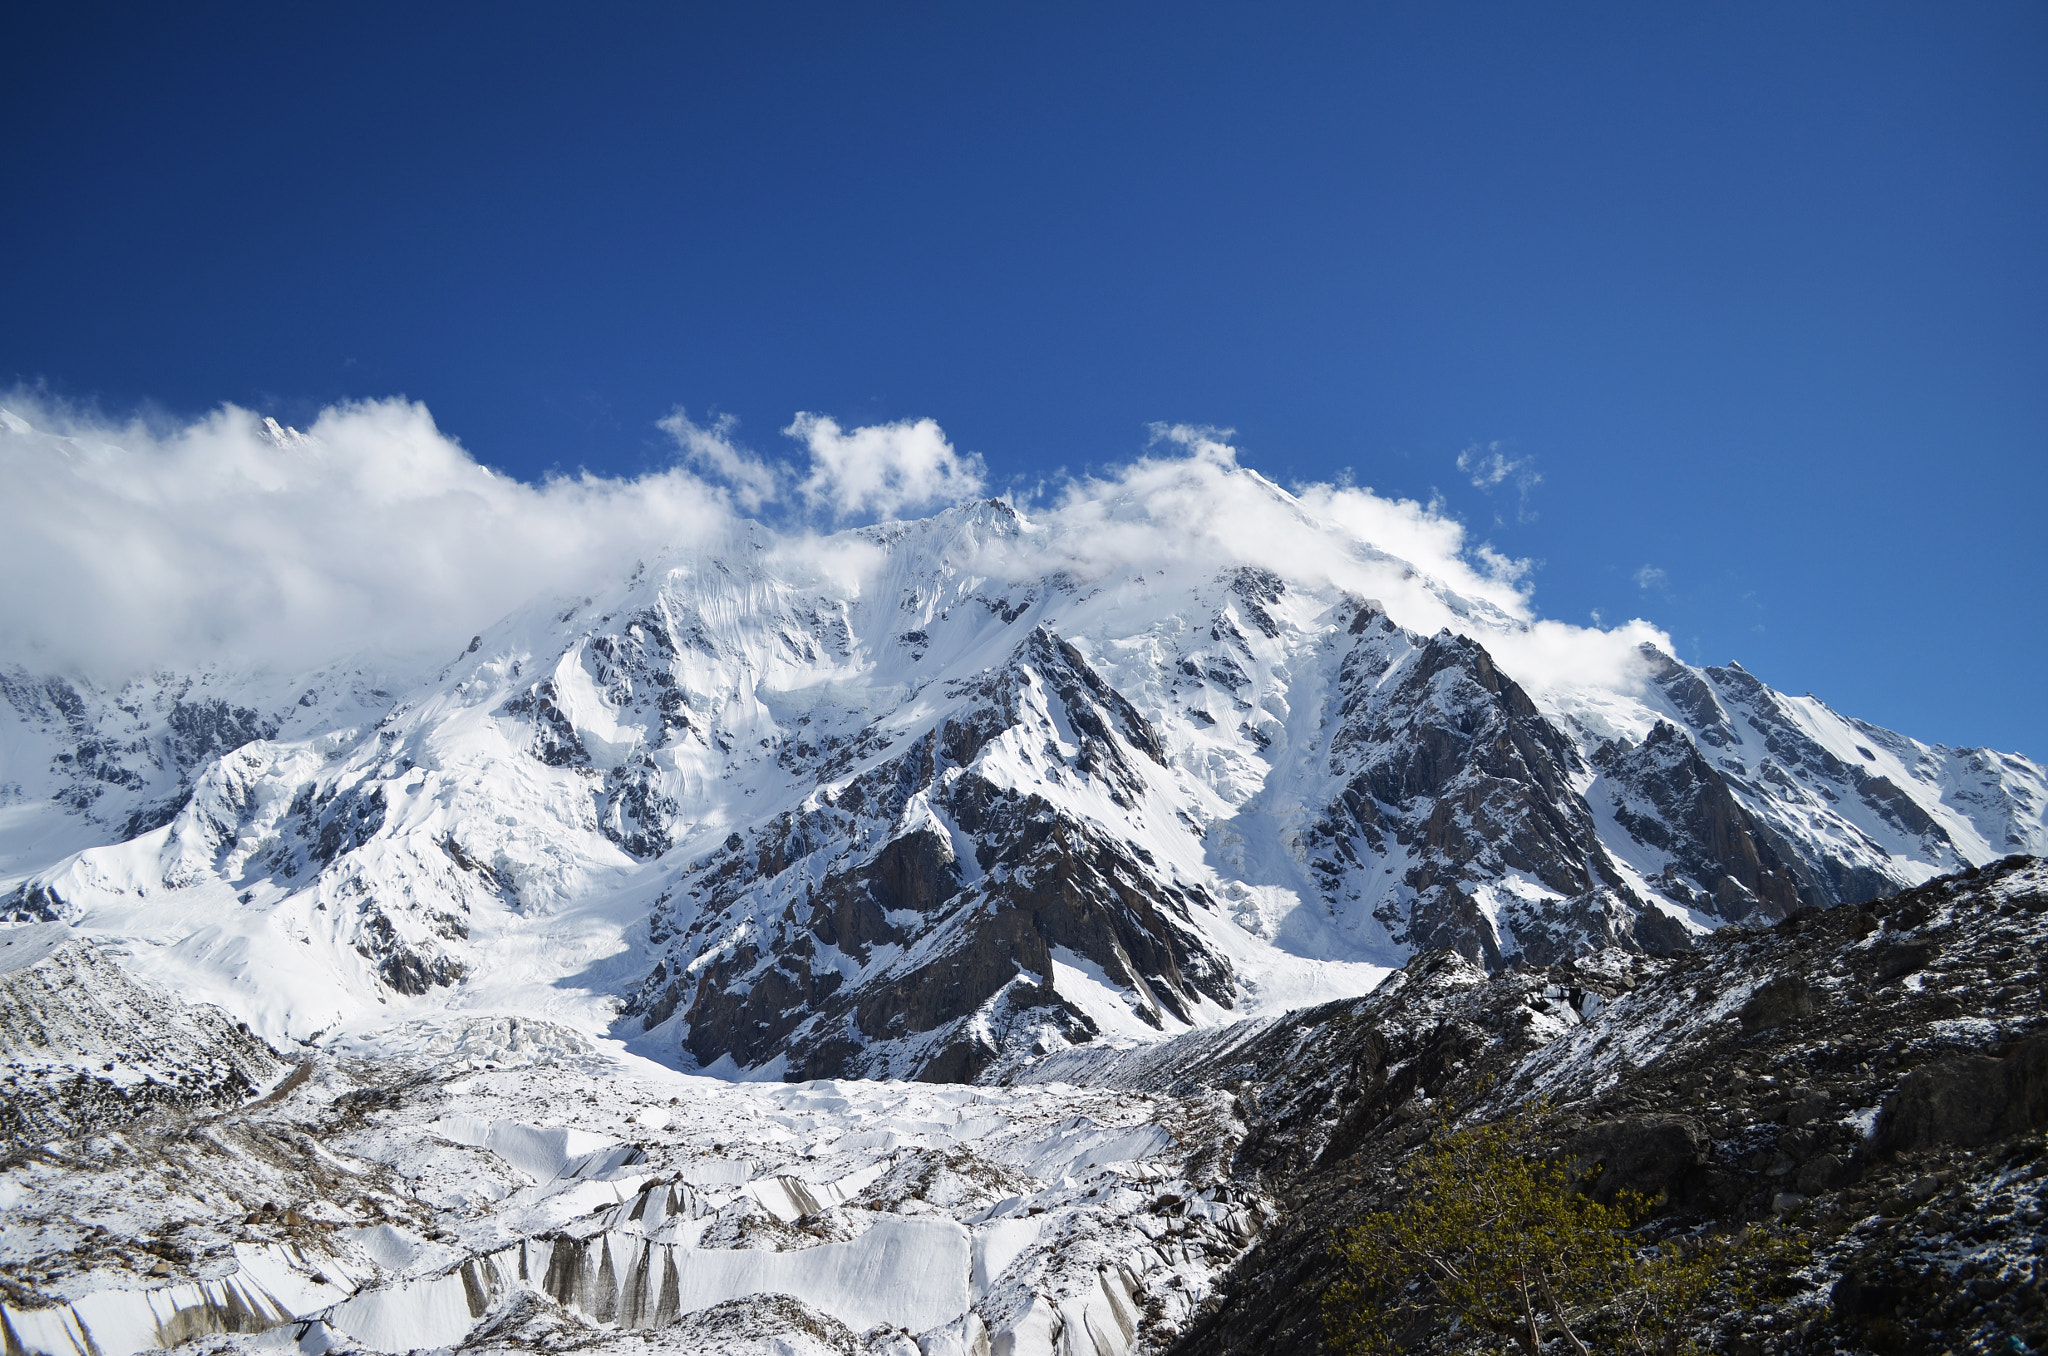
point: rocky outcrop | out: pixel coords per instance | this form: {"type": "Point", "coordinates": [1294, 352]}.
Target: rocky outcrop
{"type": "Point", "coordinates": [128, 758]}
{"type": "Point", "coordinates": [1783, 1001]}
{"type": "Point", "coordinates": [1787, 770]}
{"type": "Point", "coordinates": [864, 945]}
{"type": "Point", "coordinates": [1737, 1083]}
{"type": "Point", "coordinates": [1449, 765]}
{"type": "Point", "coordinates": [83, 1046]}
{"type": "Point", "coordinates": [1718, 857]}
{"type": "Point", "coordinates": [1656, 1157]}
{"type": "Point", "coordinates": [1968, 1101]}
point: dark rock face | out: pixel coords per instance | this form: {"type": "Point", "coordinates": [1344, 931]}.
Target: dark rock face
{"type": "Point", "coordinates": [1968, 1101]}
{"type": "Point", "coordinates": [1721, 859]}
{"type": "Point", "coordinates": [345, 821]}
{"type": "Point", "coordinates": [1449, 763]}
{"type": "Point", "coordinates": [1654, 1156]}
{"type": "Point", "coordinates": [1798, 769]}
{"type": "Point", "coordinates": [634, 668]}
{"type": "Point", "coordinates": [1693, 697]}
{"type": "Point", "coordinates": [1778, 1002]}
{"type": "Point", "coordinates": [901, 959]}
{"type": "Point", "coordinates": [211, 727]}
{"type": "Point", "coordinates": [1926, 1235]}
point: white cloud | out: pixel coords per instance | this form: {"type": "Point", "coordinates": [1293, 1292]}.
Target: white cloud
{"type": "Point", "coordinates": [753, 481]}
{"type": "Point", "coordinates": [223, 540]}
{"type": "Point", "coordinates": [1650, 577]}
{"type": "Point", "coordinates": [882, 469]}
{"type": "Point", "coordinates": [1203, 508]}
{"type": "Point", "coordinates": [1200, 440]}
{"type": "Point", "coordinates": [1487, 465]}
{"type": "Point", "coordinates": [131, 545]}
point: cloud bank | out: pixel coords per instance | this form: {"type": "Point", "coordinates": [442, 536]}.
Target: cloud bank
{"type": "Point", "coordinates": [1198, 504]}
{"type": "Point", "coordinates": [133, 546]}
{"type": "Point", "coordinates": [231, 540]}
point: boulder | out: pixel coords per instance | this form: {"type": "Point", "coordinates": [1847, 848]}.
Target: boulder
{"type": "Point", "coordinates": [1905, 958]}
{"type": "Point", "coordinates": [1777, 1002]}
{"type": "Point", "coordinates": [1967, 1101]}
{"type": "Point", "coordinates": [1653, 1155]}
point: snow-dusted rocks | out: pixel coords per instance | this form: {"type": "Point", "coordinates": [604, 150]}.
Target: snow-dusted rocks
{"type": "Point", "coordinates": [1871, 1075]}
{"type": "Point", "coordinates": [82, 1045]}
{"type": "Point", "coordinates": [1459, 823]}
{"type": "Point", "coordinates": [1866, 810]}
{"type": "Point", "coordinates": [1669, 799]}
{"type": "Point", "coordinates": [954, 899]}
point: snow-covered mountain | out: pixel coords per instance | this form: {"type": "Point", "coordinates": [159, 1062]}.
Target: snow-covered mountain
{"type": "Point", "coordinates": [930, 798]}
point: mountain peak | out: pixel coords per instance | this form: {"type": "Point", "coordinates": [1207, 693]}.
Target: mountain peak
{"type": "Point", "coordinates": [926, 797]}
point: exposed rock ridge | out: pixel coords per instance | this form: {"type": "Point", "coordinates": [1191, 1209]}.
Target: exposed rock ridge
{"type": "Point", "coordinates": [1450, 766]}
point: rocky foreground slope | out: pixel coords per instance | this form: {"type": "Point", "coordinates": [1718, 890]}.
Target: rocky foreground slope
{"type": "Point", "coordinates": [84, 1045]}
{"type": "Point", "coordinates": [1872, 1077]}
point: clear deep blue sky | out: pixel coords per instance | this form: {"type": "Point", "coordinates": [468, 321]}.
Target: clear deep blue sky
{"type": "Point", "coordinates": [1760, 292]}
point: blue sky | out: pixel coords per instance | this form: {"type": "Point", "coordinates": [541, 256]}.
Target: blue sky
{"type": "Point", "coordinates": [1734, 314]}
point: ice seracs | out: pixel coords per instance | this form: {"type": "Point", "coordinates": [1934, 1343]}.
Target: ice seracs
{"type": "Point", "coordinates": [419, 1198]}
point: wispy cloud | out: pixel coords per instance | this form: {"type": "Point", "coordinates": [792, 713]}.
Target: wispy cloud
{"type": "Point", "coordinates": [1198, 440]}
{"type": "Point", "coordinates": [1488, 466]}
{"type": "Point", "coordinates": [753, 480]}
{"type": "Point", "coordinates": [1650, 577]}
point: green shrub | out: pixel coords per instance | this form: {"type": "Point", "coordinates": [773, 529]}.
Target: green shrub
{"type": "Point", "coordinates": [1491, 1246]}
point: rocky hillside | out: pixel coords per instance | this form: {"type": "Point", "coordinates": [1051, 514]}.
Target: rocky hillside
{"type": "Point", "coordinates": [1872, 1079]}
